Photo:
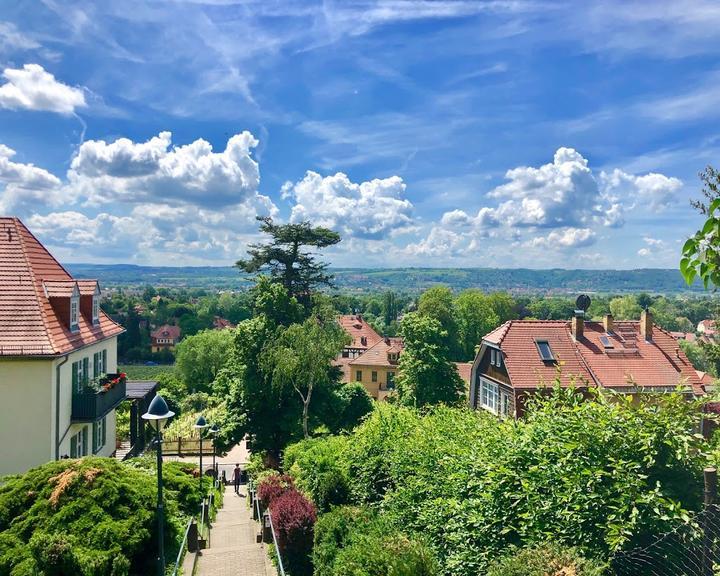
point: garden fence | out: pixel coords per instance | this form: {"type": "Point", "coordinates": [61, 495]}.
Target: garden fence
{"type": "Point", "coordinates": [692, 549]}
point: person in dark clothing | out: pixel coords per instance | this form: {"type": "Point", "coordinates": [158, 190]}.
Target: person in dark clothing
{"type": "Point", "coordinates": [237, 475]}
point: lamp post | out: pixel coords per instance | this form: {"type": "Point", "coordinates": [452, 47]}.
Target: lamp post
{"type": "Point", "coordinates": [200, 425]}
{"type": "Point", "coordinates": [157, 416]}
{"type": "Point", "coordinates": [214, 431]}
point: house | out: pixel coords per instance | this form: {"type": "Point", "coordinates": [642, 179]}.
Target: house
{"type": "Point", "coordinates": [363, 336]}
{"type": "Point", "coordinates": [707, 327]}
{"type": "Point", "coordinates": [58, 358]}
{"type": "Point", "coordinates": [524, 356]}
{"type": "Point", "coordinates": [164, 338]}
{"type": "Point", "coordinates": [689, 336]}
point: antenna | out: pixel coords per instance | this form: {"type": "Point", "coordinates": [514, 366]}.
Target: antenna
{"type": "Point", "coordinates": [583, 302]}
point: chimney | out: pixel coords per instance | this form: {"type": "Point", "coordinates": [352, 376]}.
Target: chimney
{"type": "Point", "coordinates": [608, 323]}
{"type": "Point", "coordinates": [646, 325]}
{"type": "Point", "coordinates": [578, 325]}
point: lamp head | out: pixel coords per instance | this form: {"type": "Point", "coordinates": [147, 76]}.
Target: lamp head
{"type": "Point", "coordinates": [214, 430]}
{"type": "Point", "coordinates": [201, 423]}
{"type": "Point", "coordinates": [158, 413]}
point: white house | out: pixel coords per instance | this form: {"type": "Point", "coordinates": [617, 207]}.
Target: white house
{"type": "Point", "coordinates": [59, 385]}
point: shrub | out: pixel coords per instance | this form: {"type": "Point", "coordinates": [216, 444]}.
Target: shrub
{"type": "Point", "coordinates": [547, 560]}
{"type": "Point", "coordinates": [271, 487]}
{"type": "Point", "coordinates": [318, 468]}
{"type": "Point", "coordinates": [352, 541]}
{"type": "Point", "coordinates": [355, 404]}
{"type": "Point", "coordinates": [294, 519]}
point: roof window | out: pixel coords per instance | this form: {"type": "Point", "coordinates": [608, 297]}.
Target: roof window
{"type": "Point", "coordinates": [546, 353]}
{"type": "Point", "coordinates": [605, 341]}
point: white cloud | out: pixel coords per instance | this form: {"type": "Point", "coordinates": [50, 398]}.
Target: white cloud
{"type": "Point", "coordinates": [13, 39]}
{"type": "Point", "coordinates": [657, 191]}
{"type": "Point", "coordinates": [373, 209]}
{"type": "Point", "coordinates": [644, 252]}
{"type": "Point", "coordinates": [565, 238]}
{"type": "Point", "coordinates": [439, 243]}
{"type": "Point", "coordinates": [26, 185]}
{"type": "Point", "coordinates": [33, 88]}
{"type": "Point", "coordinates": [151, 171]}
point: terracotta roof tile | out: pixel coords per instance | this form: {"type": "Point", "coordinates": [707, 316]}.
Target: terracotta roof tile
{"type": "Point", "coordinates": [464, 369]}
{"type": "Point", "coordinates": [166, 331]}
{"type": "Point", "coordinates": [377, 355]}
{"type": "Point", "coordinates": [358, 329]}
{"type": "Point", "coordinates": [29, 325]}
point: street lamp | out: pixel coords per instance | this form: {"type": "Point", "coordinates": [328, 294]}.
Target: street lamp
{"type": "Point", "coordinates": [157, 416]}
{"type": "Point", "coordinates": [201, 424]}
{"type": "Point", "coordinates": [214, 431]}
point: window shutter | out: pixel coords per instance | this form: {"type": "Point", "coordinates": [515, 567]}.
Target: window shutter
{"type": "Point", "coordinates": [85, 439]}
{"type": "Point", "coordinates": [104, 360]}
{"type": "Point", "coordinates": [73, 447]}
{"type": "Point", "coordinates": [75, 379]}
{"type": "Point", "coordinates": [95, 437]}
{"type": "Point", "coordinates": [104, 431]}
{"type": "Point", "coordinates": [86, 369]}
{"type": "Point", "coordinates": [96, 365]}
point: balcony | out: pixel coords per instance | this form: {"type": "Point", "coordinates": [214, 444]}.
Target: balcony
{"type": "Point", "coordinates": [90, 404]}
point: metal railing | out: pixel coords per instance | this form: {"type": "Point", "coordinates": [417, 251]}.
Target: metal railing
{"type": "Point", "coordinates": [183, 548]}
{"type": "Point", "coordinates": [261, 519]}
{"type": "Point", "coordinates": [277, 550]}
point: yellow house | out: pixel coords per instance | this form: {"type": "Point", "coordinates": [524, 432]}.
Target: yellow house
{"type": "Point", "coordinates": [376, 368]}
{"type": "Point", "coordinates": [58, 358]}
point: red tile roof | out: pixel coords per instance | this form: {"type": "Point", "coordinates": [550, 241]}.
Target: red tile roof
{"type": "Point", "coordinates": [358, 329]}
{"type": "Point", "coordinates": [220, 323]}
{"type": "Point", "coordinates": [632, 361]}
{"type": "Point", "coordinates": [166, 331]}
{"type": "Point", "coordinates": [377, 355]}
{"type": "Point", "coordinates": [464, 369]}
{"type": "Point", "coordinates": [29, 324]}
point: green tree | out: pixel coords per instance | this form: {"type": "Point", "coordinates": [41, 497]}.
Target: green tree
{"type": "Point", "coordinates": [300, 358]}
{"type": "Point", "coordinates": [625, 308]}
{"type": "Point", "coordinates": [701, 252]}
{"type": "Point", "coordinates": [476, 317]}
{"type": "Point", "coordinates": [438, 303]}
{"type": "Point", "coordinates": [425, 373]}
{"type": "Point", "coordinates": [504, 306]}
{"type": "Point", "coordinates": [286, 259]}
{"type": "Point", "coordinates": [199, 358]}
{"type": "Point", "coordinates": [390, 308]}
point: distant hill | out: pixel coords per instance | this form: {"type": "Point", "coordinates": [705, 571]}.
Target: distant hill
{"type": "Point", "coordinates": [363, 280]}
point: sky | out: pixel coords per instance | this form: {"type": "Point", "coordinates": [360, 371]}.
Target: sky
{"type": "Point", "coordinates": [448, 133]}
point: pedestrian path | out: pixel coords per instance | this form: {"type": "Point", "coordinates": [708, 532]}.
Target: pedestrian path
{"type": "Point", "coordinates": [233, 549]}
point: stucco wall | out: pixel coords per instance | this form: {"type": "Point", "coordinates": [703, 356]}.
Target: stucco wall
{"type": "Point", "coordinates": [25, 414]}
{"type": "Point", "coordinates": [373, 388]}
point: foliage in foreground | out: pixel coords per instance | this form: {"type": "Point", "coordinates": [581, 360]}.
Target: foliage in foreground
{"type": "Point", "coordinates": [600, 475]}
{"type": "Point", "coordinates": [547, 560]}
{"type": "Point", "coordinates": [90, 517]}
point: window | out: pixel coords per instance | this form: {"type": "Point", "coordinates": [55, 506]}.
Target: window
{"type": "Point", "coordinates": [74, 311]}
{"type": "Point", "coordinates": [358, 375]}
{"type": "Point", "coordinates": [498, 358]}
{"type": "Point", "coordinates": [78, 443]}
{"type": "Point", "coordinates": [80, 375]}
{"type": "Point", "coordinates": [492, 356]}
{"type": "Point", "coordinates": [390, 380]}
{"type": "Point", "coordinates": [373, 376]}
{"type": "Point", "coordinates": [490, 396]}
{"type": "Point", "coordinates": [99, 363]}
{"type": "Point", "coordinates": [605, 341]}
{"type": "Point", "coordinates": [345, 353]}
{"type": "Point", "coordinates": [96, 310]}
{"type": "Point", "coordinates": [99, 434]}
{"type": "Point", "coordinates": [545, 351]}
{"type": "Point", "coordinates": [504, 404]}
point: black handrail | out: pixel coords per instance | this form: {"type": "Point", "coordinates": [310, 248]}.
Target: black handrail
{"type": "Point", "coordinates": [182, 548]}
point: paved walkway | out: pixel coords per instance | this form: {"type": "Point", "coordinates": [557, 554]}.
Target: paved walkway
{"type": "Point", "coordinates": [233, 549]}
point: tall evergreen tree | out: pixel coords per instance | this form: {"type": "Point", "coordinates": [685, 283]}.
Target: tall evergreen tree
{"type": "Point", "coordinates": [287, 261]}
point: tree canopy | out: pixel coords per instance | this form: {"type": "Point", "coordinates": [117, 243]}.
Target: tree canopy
{"type": "Point", "coordinates": [285, 258]}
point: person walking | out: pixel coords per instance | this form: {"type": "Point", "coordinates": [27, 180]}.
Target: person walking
{"type": "Point", "coordinates": [237, 474]}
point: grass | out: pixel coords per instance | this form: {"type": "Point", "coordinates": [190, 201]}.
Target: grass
{"type": "Point", "coordinates": [141, 372]}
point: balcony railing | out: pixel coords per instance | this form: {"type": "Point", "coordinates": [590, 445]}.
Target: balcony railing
{"type": "Point", "coordinates": [90, 405]}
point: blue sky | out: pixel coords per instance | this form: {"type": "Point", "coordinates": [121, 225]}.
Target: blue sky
{"type": "Point", "coordinates": [428, 132]}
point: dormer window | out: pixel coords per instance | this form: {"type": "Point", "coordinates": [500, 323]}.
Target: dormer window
{"type": "Point", "coordinates": [74, 312]}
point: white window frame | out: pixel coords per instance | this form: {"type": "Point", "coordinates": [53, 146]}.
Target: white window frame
{"type": "Point", "coordinates": [490, 395]}
{"type": "Point", "coordinates": [498, 358]}
{"type": "Point", "coordinates": [100, 430]}
{"type": "Point", "coordinates": [80, 448]}
{"type": "Point", "coordinates": [95, 309]}
{"type": "Point", "coordinates": [74, 313]}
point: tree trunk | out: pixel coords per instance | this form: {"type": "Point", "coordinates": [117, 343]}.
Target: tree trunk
{"type": "Point", "coordinates": [306, 408]}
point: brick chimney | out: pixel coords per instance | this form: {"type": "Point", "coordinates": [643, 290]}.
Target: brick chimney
{"type": "Point", "coordinates": [578, 324]}
{"type": "Point", "coordinates": [608, 323]}
{"type": "Point", "coordinates": [646, 325]}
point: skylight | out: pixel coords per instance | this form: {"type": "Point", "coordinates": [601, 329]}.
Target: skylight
{"type": "Point", "coordinates": [546, 353]}
{"type": "Point", "coordinates": [606, 341]}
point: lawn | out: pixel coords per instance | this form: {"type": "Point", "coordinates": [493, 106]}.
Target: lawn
{"type": "Point", "coordinates": [142, 372]}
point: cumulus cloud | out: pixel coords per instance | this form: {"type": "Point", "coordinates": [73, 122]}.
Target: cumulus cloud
{"type": "Point", "coordinates": [565, 238]}
{"type": "Point", "coordinates": [374, 209]}
{"type": "Point", "coordinates": [439, 242]}
{"type": "Point", "coordinates": [152, 171]}
{"type": "Point", "coordinates": [33, 88]}
{"type": "Point", "coordinates": [657, 191]}
{"type": "Point", "coordinates": [25, 185]}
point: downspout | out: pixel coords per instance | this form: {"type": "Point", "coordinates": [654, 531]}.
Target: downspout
{"type": "Point", "coordinates": [58, 440]}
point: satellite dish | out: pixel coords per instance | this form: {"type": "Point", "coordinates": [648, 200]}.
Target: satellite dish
{"type": "Point", "coordinates": [583, 302]}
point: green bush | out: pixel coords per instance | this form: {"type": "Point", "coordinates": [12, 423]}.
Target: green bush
{"type": "Point", "coordinates": [356, 542]}
{"type": "Point", "coordinates": [604, 475]}
{"type": "Point", "coordinates": [318, 468]}
{"type": "Point", "coordinates": [548, 560]}
{"type": "Point", "coordinates": [90, 517]}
